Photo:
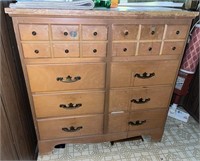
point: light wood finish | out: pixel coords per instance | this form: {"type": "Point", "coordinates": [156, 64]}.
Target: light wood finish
{"type": "Point", "coordinates": [110, 79]}
{"type": "Point", "coordinates": [94, 32]}
{"type": "Point", "coordinates": [124, 49]}
{"type": "Point", "coordinates": [177, 31]}
{"type": "Point", "coordinates": [51, 129]}
{"type": "Point", "coordinates": [65, 32]}
{"type": "Point", "coordinates": [152, 32]}
{"type": "Point", "coordinates": [35, 50]}
{"type": "Point", "coordinates": [92, 49]}
{"type": "Point", "coordinates": [171, 48]}
{"type": "Point", "coordinates": [124, 74]}
{"type": "Point", "coordinates": [67, 49]}
{"type": "Point", "coordinates": [118, 122]}
{"type": "Point", "coordinates": [33, 32]}
{"type": "Point", "coordinates": [153, 119]}
{"type": "Point", "coordinates": [149, 48]}
{"type": "Point", "coordinates": [82, 103]}
{"type": "Point", "coordinates": [125, 32]}
{"type": "Point", "coordinates": [47, 76]}
{"type": "Point", "coordinates": [155, 97]}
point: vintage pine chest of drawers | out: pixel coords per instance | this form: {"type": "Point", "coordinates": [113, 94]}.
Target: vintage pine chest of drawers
{"type": "Point", "coordinates": [95, 76]}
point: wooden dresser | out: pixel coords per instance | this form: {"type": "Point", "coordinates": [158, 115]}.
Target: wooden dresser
{"type": "Point", "coordinates": [95, 76]}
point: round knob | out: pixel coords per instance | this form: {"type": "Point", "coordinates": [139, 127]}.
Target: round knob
{"type": "Point", "coordinates": [174, 48]}
{"type": "Point", "coordinates": [95, 50]}
{"type": "Point", "coordinates": [36, 51]}
{"type": "Point", "coordinates": [177, 32]}
{"type": "Point", "coordinates": [126, 32]}
{"type": "Point", "coordinates": [150, 48]}
{"type": "Point", "coordinates": [65, 33]}
{"type": "Point", "coordinates": [66, 51]}
{"type": "Point", "coordinates": [153, 32]}
{"type": "Point", "coordinates": [125, 49]}
{"type": "Point", "coordinates": [34, 33]}
{"type": "Point", "coordinates": [95, 33]}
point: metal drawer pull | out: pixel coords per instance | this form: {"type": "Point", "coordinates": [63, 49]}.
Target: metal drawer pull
{"type": "Point", "coordinates": [150, 48]}
{"type": "Point", "coordinates": [34, 33]}
{"type": "Point", "coordinates": [126, 32]}
{"type": "Point", "coordinates": [66, 51]}
{"type": "Point", "coordinates": [73, 33]}
{"type": "Point", "coordinates": [72, 129]}
{"type": "Point", "coordinates": [136, 123]}
{"type": "Point", "coordinates": [70, 106]}
{"type": "Point", "coordinates": [95, 33]}
{"type": "Point", "coordinates": [177, 32]}
{"type": "Point", "coordinates": [125, 49]}
{"type": "Point", "coordinates": [144, 75]}
{"type": "Point", "coordinates": [95, 50]}
{"type": "Point", "coordinates": [65, 33]}
{"type": "Point", "coordinates": [69, 79]}
{"type": "Point", "coordinates": [140, 101]}
{"type": "Point", "coordinates": [174, 48]}
{"type": "Point", "coordinates": [36, 51]}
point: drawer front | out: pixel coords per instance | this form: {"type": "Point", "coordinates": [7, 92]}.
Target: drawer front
{"type": "Point", "coordinates": [142, 120]}
{"type": "Point", "coordinates": [65, 104]}
{"type": "Point", "coordinates": [139, 98]}
{"type": "Point", "coordinates": [70, 127]}
{"type": "Point", "coordinates": [173, 48]}
{"type": "Point", "coordinates": [143, 73]}
{"type": "Point", "coordinates": [118, 122]}
{"type": "Point", "coordinates": [152, 32]}
{"type": "Point", "coordinates": [94, 32]}
{"type": "Point", "coordinates": [33, 32]}
{"type": "Point", "coordinates": [149, 48]}
{"type": "Point", "coordinates": [70, 50]}
{"type": "Point", "coordinates": [36, 50]}
{"type": "Point", "coordinates": [125, 32]}
{"type": "Point", "coordinates": [65, 32]}
{"type": "Point", "coordinates": [177, 31]}
{"type": "Point", "coordinates": [94, 49]}
{"type": "Point", "coordinates": [124, 49]}
{"type": "Point", "coordinates": [66, 77]}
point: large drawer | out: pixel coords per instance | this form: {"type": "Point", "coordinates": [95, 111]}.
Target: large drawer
{"type": "Point", "coordinates": [53, 77]}
{"type": "Point", "coordinates": [70, 127]}
{"type": "Point", "coordinates": [68, 104]}
{"type": "Point", "coordinates": [139, 98]}
{"type": "Point", "coordinates": [141, 73]}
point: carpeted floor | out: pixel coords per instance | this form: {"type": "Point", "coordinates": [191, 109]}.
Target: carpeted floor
{"type": "Point", "coordinates": [180, 142]}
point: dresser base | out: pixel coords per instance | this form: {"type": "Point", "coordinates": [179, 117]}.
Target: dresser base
{"type": "Point", "coordinates": [46, 146]}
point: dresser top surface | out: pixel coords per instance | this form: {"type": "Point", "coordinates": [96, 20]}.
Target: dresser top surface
{"type": "Point", "coordinates": [134, 12]}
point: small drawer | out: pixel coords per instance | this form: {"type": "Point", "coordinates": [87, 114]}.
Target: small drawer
{"type": "Point", "coordinates": [36, 50]}
{"type": "Point", "coordinates": [94, 32]}
{"type": "Point", "coordinates": [139, 98]}
{"type": "Point", "coordinates": [173, 48]}
{"type": "Point", "coordinates": [124, 49]}
{"type": "Point", "coordinates": [68, 104]}
{"type": "Point", "coordinates": [65, 32]}
{"type": "Point", "coordinates": [70, 50]}
{"type": "Point", "coordinates": [177, 31]}
{"type": "Point", "coordinates": [152, 32]}
{"type": "Point", "coordinates": [149, 48]}
{"type": "Point", "coordinates": [63, 77]}
{"type": "Point", "coordinates": [118, 122]}
{"type": "Point", "coordinates": [33, 32]}
{"type": "Point", "coordinates": [94, 49]}
{"type": "Point", "coordinates": [142, 120]}
{"type": "Point", "coordinates": [143, 73]}
{"type": "Point", "coordinates": [125, 32]}
{"type": "Point", "coordinates": [70, 127]}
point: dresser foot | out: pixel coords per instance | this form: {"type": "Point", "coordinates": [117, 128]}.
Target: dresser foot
{"type": "Point", "coordinates": [157, 135]}
{"type": "Point", "coordinates": [45, 148]}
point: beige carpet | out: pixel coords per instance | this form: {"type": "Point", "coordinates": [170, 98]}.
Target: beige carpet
{"type": "Point", "coordinates": [180, 142]}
